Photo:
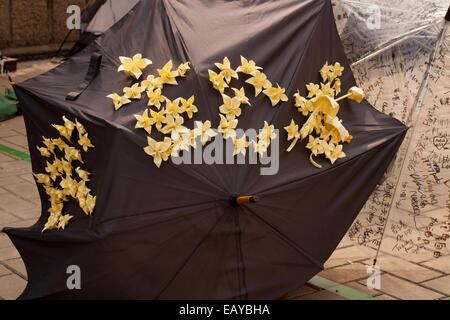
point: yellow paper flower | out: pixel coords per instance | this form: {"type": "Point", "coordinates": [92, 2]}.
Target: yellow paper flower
{"type": "Point", "coordinates": [336, 153]}
{"type": "Point", "coordinates": [52, 169]}
{"type": "Point", "coordinates": [84, 175]}
{"type": "Point", "coordinates": [203, 130]}
{"type": "Point", "coordinates": [267, 133]}
{"type": "Point", "coordinates": [327, 90]}
{"type": "Point", "coordinates": [337, 86]}
{"type": "Point", "coordinates": [259, 82]}
{"type": "Point", "coordinates": [173, 107]}
{"type": "Point", "coordinates": [188, 106]}
{"type": "Point", "coordinates": [230, 107]}
{"type": "Point", "coordinates": [118, 101]}
{"type": "Point", "coordinates": [133, 66]}
{"type": "Point", "coordinates": [69, 186]}
{"type": "Point", "coordinates": [144, 122]}
{"type": "Point", "coordinates": [276, 95]}
{"type": "Point", "coordinates": [85, 143]}
{"type": "Point", "coordinates": [240, 145]}
{"type": "Point", "coordinates": [66, 167]}
{"type": "Point", "coordinates": [313, 90]}
{"type": "Point", "coordinates": [151, 83]}
{"type": "Point", "coordinates": [44, 152]}
{"type": "Point", "coordinates": [43, 179]}
{"type": "Point", "coordinates": [59, 143]}
{"type": "Point", "coordinates": [63, 131]}
{"type": "Point", "coordinates": [80, 127]}
{"type": "Point", "coordinates": [240, 94]}
{"type": "Point", "coordinates": [155, 98]}
{"type": "Point", "coordinates": [226, 70]}
{"type": "Point", "coordinates": [260, 147]}
{"type": "Point", "coordinates": [52, 223]}
{"type": "Point", "coordinates": [292, 131]}
{"type": "Point", "coordinates": [158, 118]}
{"type": "Point", "coordinates": [183, 68]}
{"type": "Point", "coordinates": [64, 221]}
{"type": "Point", "coordinates": [304, 106]}
{"type": "Point", "coordinates": [71, 153]}
{"type": "Point", "coordinates": [82, 190]}
{"type": "Point", "coordinates": [166, 75]}
{"type": "Point", "coordinates": [174, 127]}
{"type": "Point", "coordinates": [189, 138]}
{"type": "Point", "coordinates": [88, 204]}
{"type": "Point", "coordinates": [315, 145]}
{"type": "Point", "coordinates": [159, 150]}
{"type": "Point", "coordinates": [133, 92]}
{"type": "Point", "coordinates": [48, 144]}
{"type": "Point", "coordinates": [356, 94]}
{"type": "Point", "coordinates": [56, 208]}
{"type": "Point", "coordinates": [247, 67]}
{"type": "Point", "coordinates": [227, 127]}
{"type": "Point", "coordinates": [218, 81]}
{"type": "Point", "coordinates": [337, 70]}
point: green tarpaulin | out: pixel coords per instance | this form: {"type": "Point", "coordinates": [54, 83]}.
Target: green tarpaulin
{"type": "Point", "coordinates": [8, 105]}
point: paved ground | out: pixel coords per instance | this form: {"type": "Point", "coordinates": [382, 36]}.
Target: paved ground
{"type": "Point", "coordinates": [425, 278]}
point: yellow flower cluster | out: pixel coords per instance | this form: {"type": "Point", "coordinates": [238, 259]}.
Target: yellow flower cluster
{"type": "Point", "coordinates": [59, 181]}
{"type": "Point", "coordinates": [230, 110]}
{"type": "Point", "coordinates": [322, 108]}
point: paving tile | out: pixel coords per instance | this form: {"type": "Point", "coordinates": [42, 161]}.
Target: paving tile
{"type": "Point", "coordinates": [343, 274]}
{"type": "Point", "coordinates": [321, 295]}
{"type": "Point", "coordinates": [18, 266]}
{"type": "Point", "coordinates": [345, 242]}
{"type": "Point", "coordinates": [22, 223]}
{"type": "Point", "coordinates": [4, 271]}
{"type": "Point", "coordinates": [11, 286]}
{"type": "Point", "coordinates": [6, 219]}
{"type": "Point", "coordinates": [12, 203]}
{"type": "Point", "coordinates": [420, 256]}
{"type": "Point", "coordinates": [5, 157]}
{"type": "Point", "coordinates": [385, 297]}
{"type": "Point", "coordinates": [19, 140]}
{"type": "Point", "coordinates": [24, 190]}
{"type": "Point", "coordinates": [8, 253]}
{"type": "Point", "coordinates": [6, 180]}
{"type": "Point", "coordinates": [304, 290]}
{"type": "Point", "coordinates": [348, 255]}
{"type": "Point", "coordinates": [4, 241]}
{"type": "Point", "coordinates": [28, 177]}
{"type": "Point", "coordinates": [7, 143]}
{"type": "Point", "coordinates": [406, 290]}
{"type": "Point", "coordinates": [441, 284]}
{"type": "Point", "coordinates": [404, 269]}
{"type": "Point", "coordinates": [441, 264]}
{"type": "Point", "coordinates": [363, 288]}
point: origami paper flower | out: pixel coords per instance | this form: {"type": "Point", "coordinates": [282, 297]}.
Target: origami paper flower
{"type": "Point", "coordinates": [52, 222]}
{"type": "Point", "coordinates": [52, 169]}
{"type": "Point", "coordinates": [56, 208]}
{"type": "Point", "coordinates": [337, 86]}
{"type": "Point", "coordinates": [174, 127]}
{"type": "Point", "coordinates": [203, 130]}
{"type": "Point", "coordinates": [88, 204]}
{"type": "Point", "coordinates": [80, 127]}
{"type": "Point", "coordinates": [313, 90]}
{"type": "Point", "coordinates": [260, 147]}
{"type": "Point", "coordinates": [155, 98]}
{"type": "Point", "coordinates": [59, 143]}
{"type": "Point", "coordinates": [133, 92]}
{"type": "Point", "coordinates": [133, 66]}
{"type": "Point", "coordinates": [247, 67]}
{"type": "Point", "coordinates": [327, 90]}
{"type": "Point", "coordinates": [63, 221]}
{"type": "Point", "coordinates": [173, 108]}
{"type": "Point", "coordinates": [42, 178]}
{"type": "Point", "coordinates": [144, 122]}
{"type": "Point", "coordinates": [48, 144]}
{"type": "Point", "coordinates": [151, 83]}
{"type": "Point", "coordinates": [71, 153]}
{"type": "Point", "coordinates": [159, 150]}
{"type": "Point", "coordinates": [227, 127]}
{"type": "Point", "coordinates": [226, 70]}
{"type": "Point", "coordinates": [267, 133]}
{"type": "Point", "coordinates": [69, 186]}
{"type": "Point", "coordinates": [315, 145]}
{"type": "Point", "coordinates": [183, 68]}
{"type": "Point", "coordinates": [230, 107]}
{"type": "Point", "coordinates": [84, 175]}
{"type": "Point", "coordinates": [240, 94]}
{"type": "Point", "coordinates": [189, 138]}
{"type": "Point", "coordinates": [158, 118]}
{"type": "Point", "coordinates": [292, 131]}
{"type": "Point", "coordinates": [44, 152]}
{"type": "Point", "coordinates": [188, 107]}
{"type": "Point", "coordinates": [336, 153]}
{"type": "Point", "coordinates": [276, 95]}
{"type": "Point", "coordinates": [259, 82]}
{"type": "Point", "coordinates": [64, 131]}
{"type": "Point", "coordinates": [304, 106]}
{"type": "Point", "coordinates": [85, 143]}
{"type": "Point", "coordinates": [166, 75]}
{"type": "Point", "coordinates": [356, 94]}
{"type": "Point", "coordinates": [218, 81]}
{"type": "Point", "coordinates": [66, 167]}
{"type": "Point", "coordinates": [82, 190]}
{"type": "Point", "coordinates": [118, 101]}
{"type": "Point", "coordinates": [240, 145]}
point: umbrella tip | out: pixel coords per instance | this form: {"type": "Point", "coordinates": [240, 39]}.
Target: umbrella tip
{"type": "Point", "coordinates": [238, 200]}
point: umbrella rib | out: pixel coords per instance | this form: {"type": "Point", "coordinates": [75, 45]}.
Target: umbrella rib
{"type": "Point", "coordinates": [286, 239]}
{"type": "Point", "coordinates": [190, 256]}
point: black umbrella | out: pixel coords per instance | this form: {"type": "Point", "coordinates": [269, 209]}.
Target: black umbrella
{"type": "Point", "coordinates": [199, 231]}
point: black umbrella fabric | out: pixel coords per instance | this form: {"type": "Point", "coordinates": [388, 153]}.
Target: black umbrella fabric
{"type": "Point", "coordinates": [172, 232]}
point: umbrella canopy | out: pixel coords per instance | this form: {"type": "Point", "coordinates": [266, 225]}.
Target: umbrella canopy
{"type": "Point", "coordinates": [172, 232]}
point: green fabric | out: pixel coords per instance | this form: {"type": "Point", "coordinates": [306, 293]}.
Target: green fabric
{"type": "Point", "coordinates": [8, 105]}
